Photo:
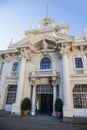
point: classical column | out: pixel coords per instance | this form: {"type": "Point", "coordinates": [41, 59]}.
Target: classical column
{"type": "Point", "coordinates": [2, 85]}
{"type": "Point", "coordinates": [67, 108]}
{"type": "Point", "coordinates": [54, 99]}
{"type": "Point", "coordinates": [16, 105]}
{"type": "Point", "coordinates": [33, 112]}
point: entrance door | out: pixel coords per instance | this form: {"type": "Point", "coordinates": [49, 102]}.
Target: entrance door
{"type": "Point", "coordinates": [46, 103]}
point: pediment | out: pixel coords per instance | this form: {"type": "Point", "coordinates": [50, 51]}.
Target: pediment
{"type": "Point", "coordinates": [60, 36]}
{"type": "Point", "coordinates": [53, 37]}
{"type": "Point", "coordinates": [19, 43]}
{"type": "Point", "coordinates": [42, 41]}
{"type": "Point", "coordinates": [50, 41]}
{"type": "Point", "coordinates": [22, 43]}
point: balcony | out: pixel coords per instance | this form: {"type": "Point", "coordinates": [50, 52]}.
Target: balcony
{"type": "Point", "coordinates": [44, 73]}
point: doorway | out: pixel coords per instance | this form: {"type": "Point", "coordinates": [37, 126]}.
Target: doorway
{"type": "Point", "coordinates": [46, 103]}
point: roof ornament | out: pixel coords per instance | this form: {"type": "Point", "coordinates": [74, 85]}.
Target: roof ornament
{"type": "Point", "coordinates": [45, 44]}
{"type": "Point", "coordinates": [85, 30]}
{"type": "Point", "coordinates": [64, 48]}
{"type": "Point", "coordinates": [31, 27]}
{"type": "Point", "coordinates": [55, 35]}
{"type": "Point", "coordinates": [11, 42]}
{"type": "Point", "coordinates": [85, 33]}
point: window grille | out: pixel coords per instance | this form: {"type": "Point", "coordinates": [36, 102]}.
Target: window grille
{"type": "Point", "coordinates": [57, 90]}
{"type": "Point", "coordinates": [45, 89]}
{"type": "Point", "coordinates": [80, 96]}
{"type": "Point", "coordinates": [11, 95]}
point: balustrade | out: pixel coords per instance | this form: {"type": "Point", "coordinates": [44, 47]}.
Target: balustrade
{"type": "Point", "coordinates": [43, 73]}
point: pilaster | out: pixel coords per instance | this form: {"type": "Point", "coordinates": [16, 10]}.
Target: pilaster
{"type": "Point", "coordinates": [67, 108]}
{"type": "Point", "coordinates": [2, 84]}
{"type": "Point", "coordinates": [16, 105]}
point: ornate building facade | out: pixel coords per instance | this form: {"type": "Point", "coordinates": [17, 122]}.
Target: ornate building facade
{"type": "Point", "coordinates": [47, 63]}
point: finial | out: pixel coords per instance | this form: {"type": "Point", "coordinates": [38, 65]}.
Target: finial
{"type": "Point", "coordinates": [85, 30]}
{"type": "Point", "coordinates": [54, 34]}
{"type": "Point", "coordinates": [11, 42]}
{"type": "Point", "coordinates": [31, 27]}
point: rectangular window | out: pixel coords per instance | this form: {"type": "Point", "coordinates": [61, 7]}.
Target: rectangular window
{"type": "Point", "coordinates": [15, 66]}
{"type": "Point", "coordinates": [78, 62]}
{"type": "Point", "coordinates": [11, 95]}
{"type": "Point", "coordinates": [80, 96]}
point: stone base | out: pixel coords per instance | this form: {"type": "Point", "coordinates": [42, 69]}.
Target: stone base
{"type": "Point", "coordinates": [33, 112]}
{"type": "Point", "coordinates": [67, 111]}
{"type": "Point", "coordinates": [16, 108]}
{"type": "Point", "coordinates": [54, 114]}
{"type": "Point", "coordinates": [1, 106]}
{"type": "Point", "coordinates": [68, 119]}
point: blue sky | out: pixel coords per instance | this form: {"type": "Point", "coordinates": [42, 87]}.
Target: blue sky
{"type": "Point", "coordinates": [16, 16]}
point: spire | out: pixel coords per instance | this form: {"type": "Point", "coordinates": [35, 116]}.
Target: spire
{"type": "Point", "coordinates": [47, 11]}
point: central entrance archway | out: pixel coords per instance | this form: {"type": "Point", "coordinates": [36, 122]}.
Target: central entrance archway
{"type": "Point", "coordinates": [45, 98]}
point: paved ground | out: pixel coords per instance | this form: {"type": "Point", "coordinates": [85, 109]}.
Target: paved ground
{"type": "Point", "coordinates": [39, 122]}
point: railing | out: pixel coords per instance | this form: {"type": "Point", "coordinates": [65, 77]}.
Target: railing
{"type": "Point", "coordinates": [43, 73]}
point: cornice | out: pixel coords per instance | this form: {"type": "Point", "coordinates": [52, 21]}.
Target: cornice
{"type": "Point", "coordinates": [82, 43]}
{"type": "Point", "coordinates": [45, 50]}
{"type": "Point", "coordinates": [78, 75]}
{"type": "Point", "coordinates": [8, 51]}
{"type": "Point", "coordinates": [39, 31]}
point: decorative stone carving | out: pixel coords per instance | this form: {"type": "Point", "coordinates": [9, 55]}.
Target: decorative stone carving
{"type": "Point", "coordinates": [45, 44]}
{"type": "Point", "coordinates": [24, 53]}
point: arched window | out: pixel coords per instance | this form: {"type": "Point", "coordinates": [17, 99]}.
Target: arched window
{"type": "Point", "coordinates": [45, 63]}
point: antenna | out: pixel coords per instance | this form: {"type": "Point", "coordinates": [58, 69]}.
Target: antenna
{"type": "Point", "coordinates": [47, 11]}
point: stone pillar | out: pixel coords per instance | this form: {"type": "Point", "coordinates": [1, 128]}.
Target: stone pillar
{"type": "Point", "coordinates": [67, 108]}
{"type": "Point", "coordinates": [54, 99]}
{"type": "Point", "coordinates": [2, 85]}
{"type": "Point", "coordinates": [16, 105]}
{"type": "Point", "coordinates": [33, 110]}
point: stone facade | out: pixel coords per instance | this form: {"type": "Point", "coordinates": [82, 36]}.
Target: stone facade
{"type": "Point", "coordinates": [47, 63]}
